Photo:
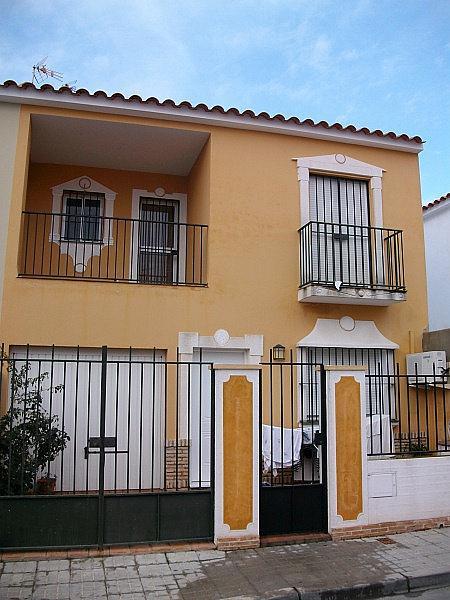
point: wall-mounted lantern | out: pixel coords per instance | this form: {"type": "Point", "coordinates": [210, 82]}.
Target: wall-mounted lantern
{"type": "Point", "coordinates": [278, 352]}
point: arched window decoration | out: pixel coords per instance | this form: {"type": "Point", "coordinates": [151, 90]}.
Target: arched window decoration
{"type": "Point", "coordinates": [81, 223]}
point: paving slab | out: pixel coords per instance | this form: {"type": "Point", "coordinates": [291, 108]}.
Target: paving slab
{"type": "Point", "coordinates": [308, 571]}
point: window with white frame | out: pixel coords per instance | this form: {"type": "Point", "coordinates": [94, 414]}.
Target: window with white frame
{"type": "Point", "coordinates": [81, 223]}
{"type": "Point", "coordinates": [158, 240]}
{"type": "Point", "coordinates": [339, 166]}
{"type": "Point", "coordinates": [341, 216]}
{"type": "Point", "coordinates": [341, 242]}
{"type": "Point", "coordinates": [82, 216]}
{"type": "Point", "coordinates": [159, 236]}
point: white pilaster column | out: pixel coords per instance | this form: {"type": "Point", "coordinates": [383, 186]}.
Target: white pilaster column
{"type": "Point", "coordinates": [376, 186]}
{"type": "Point", "coordinates": [347, 447]}
{"type": "Point", "coordinates": [303, 179]}
{"type": "Point", "coordinates": [237, 461]}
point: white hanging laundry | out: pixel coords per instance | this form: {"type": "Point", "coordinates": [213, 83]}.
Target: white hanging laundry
{"type": "Point", "coordinates": [379, 434]}
{"type": "Point", "coordinates": [286, 454]}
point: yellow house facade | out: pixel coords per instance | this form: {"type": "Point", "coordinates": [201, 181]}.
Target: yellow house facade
{"type": "Point", "coordinates": [196, 234]}
{"type": "Point", "coordinates": [240, 180]}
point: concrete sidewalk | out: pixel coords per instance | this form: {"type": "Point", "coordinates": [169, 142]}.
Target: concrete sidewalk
{"type": "Point", "coordinates": [365, 568]}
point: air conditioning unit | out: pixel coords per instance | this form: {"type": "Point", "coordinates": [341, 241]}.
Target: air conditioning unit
{"type": "Point", "coordinates": [421, 366]}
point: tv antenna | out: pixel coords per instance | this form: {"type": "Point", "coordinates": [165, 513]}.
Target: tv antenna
{"type": "Point", "coordinates": [41, 72]}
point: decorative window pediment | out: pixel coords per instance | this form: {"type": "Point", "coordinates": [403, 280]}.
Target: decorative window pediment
{"type": "Point", "coordinates": [86, 184]}
{"type": "Point", "coordinates": [339, 164]}
{"type": "Point", "coordinates": [81, 224]}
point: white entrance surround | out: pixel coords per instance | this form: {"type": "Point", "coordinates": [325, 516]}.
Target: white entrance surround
{"type": "Point", "coordinates": [252, 344]}
{"type": "Point", "coordinates": [82, 251]}
{"type": "Point", "coordinates": [249, 348]}
{"type": "Point", "coordinates": [362, 337]}
{"type": "Point", "coordinates": [158, 193]}
{"type": "Point", "coordinates": [345, 333]}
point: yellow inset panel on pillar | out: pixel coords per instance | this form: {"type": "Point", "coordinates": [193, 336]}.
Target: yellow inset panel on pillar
{"type": "Point", "coordinates": [238, 452]}
{"type": "Point", "coordinates": [348, 449]}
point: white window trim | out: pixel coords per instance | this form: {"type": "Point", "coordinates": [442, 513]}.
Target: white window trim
{"type": "Point", "coordinates": [190, 341]}
{"type": "Point", "coordinates": [81, 251]}
{"type": "Point", "coordinates": [158, 193]}
{"type": "Point", "coordinates": [339, 164]}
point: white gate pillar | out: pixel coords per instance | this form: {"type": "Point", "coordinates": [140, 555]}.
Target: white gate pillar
{"type": "Point", "coordinates": [347, 448]}
{"type": "Point", "coordinates": [237, 460]}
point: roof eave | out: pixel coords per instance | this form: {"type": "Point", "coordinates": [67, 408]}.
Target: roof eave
{"type": "Point", "coordinates": [199, 115]}
{"type": "Point", "coordinates": [437, 206]}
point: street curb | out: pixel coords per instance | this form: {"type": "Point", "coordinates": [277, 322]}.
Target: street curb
{"type": "Point", "coordinates": [282, 594]}
{"type": "Point", "coordinates": [396, 583]}
{"type": "Point", "coordinates": [429, 580]}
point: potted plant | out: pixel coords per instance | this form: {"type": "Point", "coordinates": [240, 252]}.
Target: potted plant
{"type": "Point", "coordinates": [46, 484]}
{"type": "Point", "coordinates": [30, 437]}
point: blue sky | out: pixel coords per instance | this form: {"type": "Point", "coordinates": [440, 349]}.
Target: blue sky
{"type": "Point", "coordinates": [377, 63]}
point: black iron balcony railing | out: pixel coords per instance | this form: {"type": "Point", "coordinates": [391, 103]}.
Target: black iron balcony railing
{"type": "Point", "coordinates": [351, 256]}
{"type": "Point", "coordinates": [88, 246]}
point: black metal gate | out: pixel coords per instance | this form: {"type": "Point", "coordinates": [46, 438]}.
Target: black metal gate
{"type": "Point", "coordinates": [293, 435]}
{"type": "Point", "coordinates": [103, 447]}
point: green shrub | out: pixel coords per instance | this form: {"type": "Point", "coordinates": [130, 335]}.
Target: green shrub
{"type": "Point", "coordinates": [30, 438]}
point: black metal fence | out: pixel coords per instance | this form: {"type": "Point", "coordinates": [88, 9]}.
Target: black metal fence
{"type": "Point", "coordinates": [82, 421]}
{"type": "Point", "coordinates": [90, 246]}
{"type": "Point", "coordinates": [407, 415]}
{"type": "Point", "coordinates": [104, 447]}
{"type": "Point", "coordinates": [351, 255]}
{"type": "Point", "coordinates": [375, 360]}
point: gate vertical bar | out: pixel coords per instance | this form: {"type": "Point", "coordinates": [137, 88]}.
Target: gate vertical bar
{"type": "Point", "coordinates": [324, 446]}
{"type": "Point", "coordinates": [260, 443]}
{"type": "Point", "coordinates": [101, 473]}
{"type": "Point", "coordinates": [212, 470]}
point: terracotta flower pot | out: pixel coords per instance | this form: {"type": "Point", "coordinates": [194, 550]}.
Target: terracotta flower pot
{"type": "Point", "coordinates": [46, 485]}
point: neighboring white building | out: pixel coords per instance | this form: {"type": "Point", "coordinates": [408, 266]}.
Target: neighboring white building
{"type": "Point", "coordinates": [436, 221]}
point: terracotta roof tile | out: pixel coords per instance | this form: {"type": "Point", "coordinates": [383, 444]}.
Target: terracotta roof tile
{"type": "Point", "coordinates": [435, 202]}
{"type": "Point", "coordinates": [214, 109]}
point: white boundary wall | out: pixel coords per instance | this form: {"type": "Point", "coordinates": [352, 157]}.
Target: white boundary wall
{"type": "Point", "coordinates": [408, 488]}
{"type": "Point", "coordinates": [436, 224]}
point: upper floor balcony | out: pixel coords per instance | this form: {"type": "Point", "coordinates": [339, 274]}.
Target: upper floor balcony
{"type": "Point", "coordinates": [82, 244]}
{"type": "Point", "coordinates": [115, 201]}
{"type": "Point", "coordinates": [351, 264]}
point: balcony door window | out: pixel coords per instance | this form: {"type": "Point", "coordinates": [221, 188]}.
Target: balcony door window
{"type": "Point", "coordinates": [158, 241]}
{"type": "Point", "coordinates": [339, 210]}
{"type": "Point", "coordinates": [82, 216]}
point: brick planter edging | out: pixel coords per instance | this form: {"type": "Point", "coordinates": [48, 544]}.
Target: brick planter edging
{"type": "Point", "coordinates": [238, 543]}
{"type": "Point", "coordinates": [392, 527]}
